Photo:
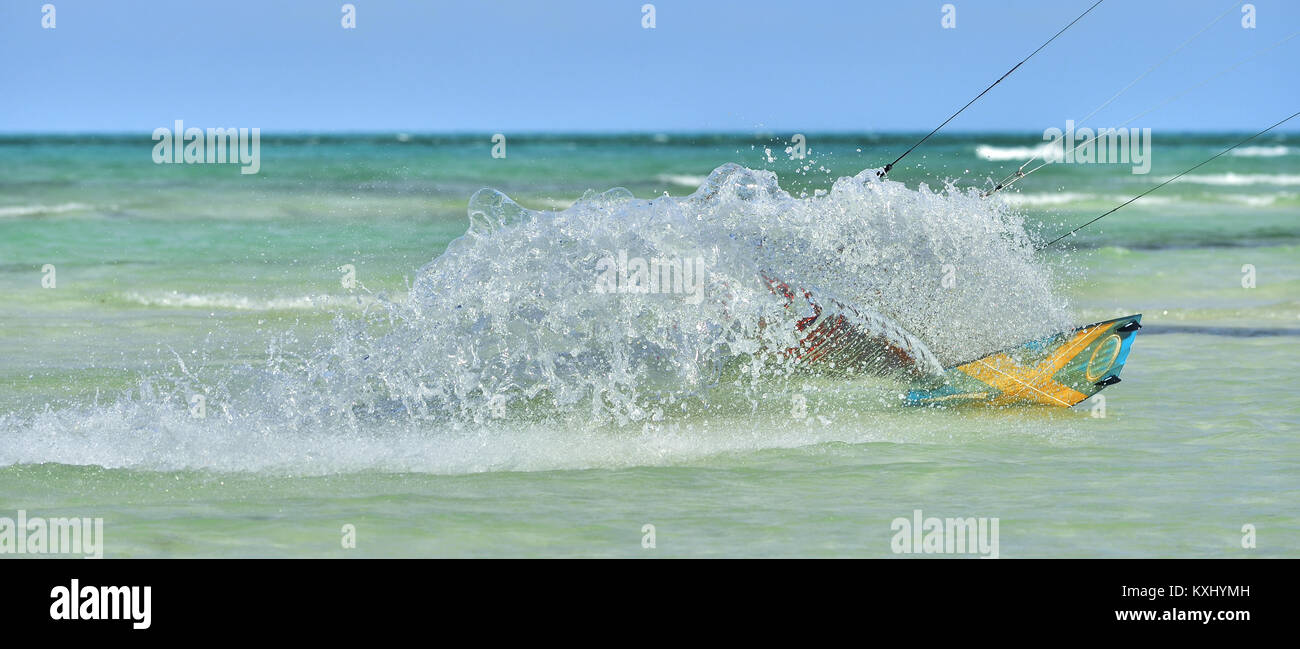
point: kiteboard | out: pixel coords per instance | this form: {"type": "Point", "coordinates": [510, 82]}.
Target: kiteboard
{"type": "Point", "coordinates": [1058, 370]}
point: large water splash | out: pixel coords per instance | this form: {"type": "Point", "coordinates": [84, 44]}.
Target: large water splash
{"type": "Point", "coordinates": [516, 307]}
{"type": "Point", "coordinates": [616, 311]}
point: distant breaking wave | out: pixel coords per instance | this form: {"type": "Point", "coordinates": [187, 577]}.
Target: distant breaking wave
{"type": "Point", "coordinates": [174, 299]}
{"type": "Point", "coordinates": [1234, 179]}
{"type": "Point", "coordinates": [1066, 198]}
{"type": "Point", "coordinates": [1005, 153]}
{"type": "Point", "coordinates": [1259, 201]}
{"type": "Point", "coordinates": [34, 210]}
{"type": "Point", "coordinates": [1035, 200]}
{"type": "Point", "coordinates": [684, 180]}
{"type": "Point", "coordinates": [1071, 198]}
{"type": "Point", "coordinates": [1048, 149]}
{"type": "Point", "coordinates": [1261, 151]}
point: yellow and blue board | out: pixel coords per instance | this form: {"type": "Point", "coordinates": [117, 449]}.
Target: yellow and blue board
{"type": "Point", "coordinates": [1058, 370]}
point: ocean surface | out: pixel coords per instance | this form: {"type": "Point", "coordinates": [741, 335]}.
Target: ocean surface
{"type": "Point", "coordinates": [228, 365]}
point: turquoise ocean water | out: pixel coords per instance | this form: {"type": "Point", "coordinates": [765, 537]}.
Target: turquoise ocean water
{"type": "Point", "coordinates": [380, 406]}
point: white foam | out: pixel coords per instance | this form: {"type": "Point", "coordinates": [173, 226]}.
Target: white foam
{"type": "Point", "coordinates": [1066, 198]}
{"type": "Point", "coordinates": [33, 210]}
{"type": "Point", "coordinates": [152, 430]}
{"type": "Point", "coordinates": [178, 300]}
{"type": "Point", "coordinates": [1004, 153]}
{"type": "Point", "coordinates": [1262, 200]}
{"type": "Point", "coordinates": [683, 180]}
{"type": "Point", "coordinates": [1261, 151]}
{"type": "Point", "coordinates": [1037, 200]}
{"type": "Point", "coordinates": [1235, 179]}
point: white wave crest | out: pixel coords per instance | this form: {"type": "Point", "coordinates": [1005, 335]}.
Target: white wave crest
{"type": "Point", "coordinates": [178, 300]}
{"type": "Point", "coordinates": [1261, 151]}
{"type": "Point", "coordinates": [34, 210]}
{"type": "Point", "coordinates": [1046, 151]}
{"type": "Point", "coordinates": [684, 180]}
{"type": "Point", "coordinates": [1231, 179]}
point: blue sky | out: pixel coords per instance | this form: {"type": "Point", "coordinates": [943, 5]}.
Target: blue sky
{"type": "Point", "coordinates": [588, 65]}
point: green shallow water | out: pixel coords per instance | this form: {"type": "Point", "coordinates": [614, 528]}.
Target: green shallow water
{"type": "Point", "coordinates": [159, 263]}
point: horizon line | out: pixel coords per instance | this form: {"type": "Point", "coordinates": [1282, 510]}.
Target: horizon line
{"type": "Point", "coordinates": [615, 132]}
